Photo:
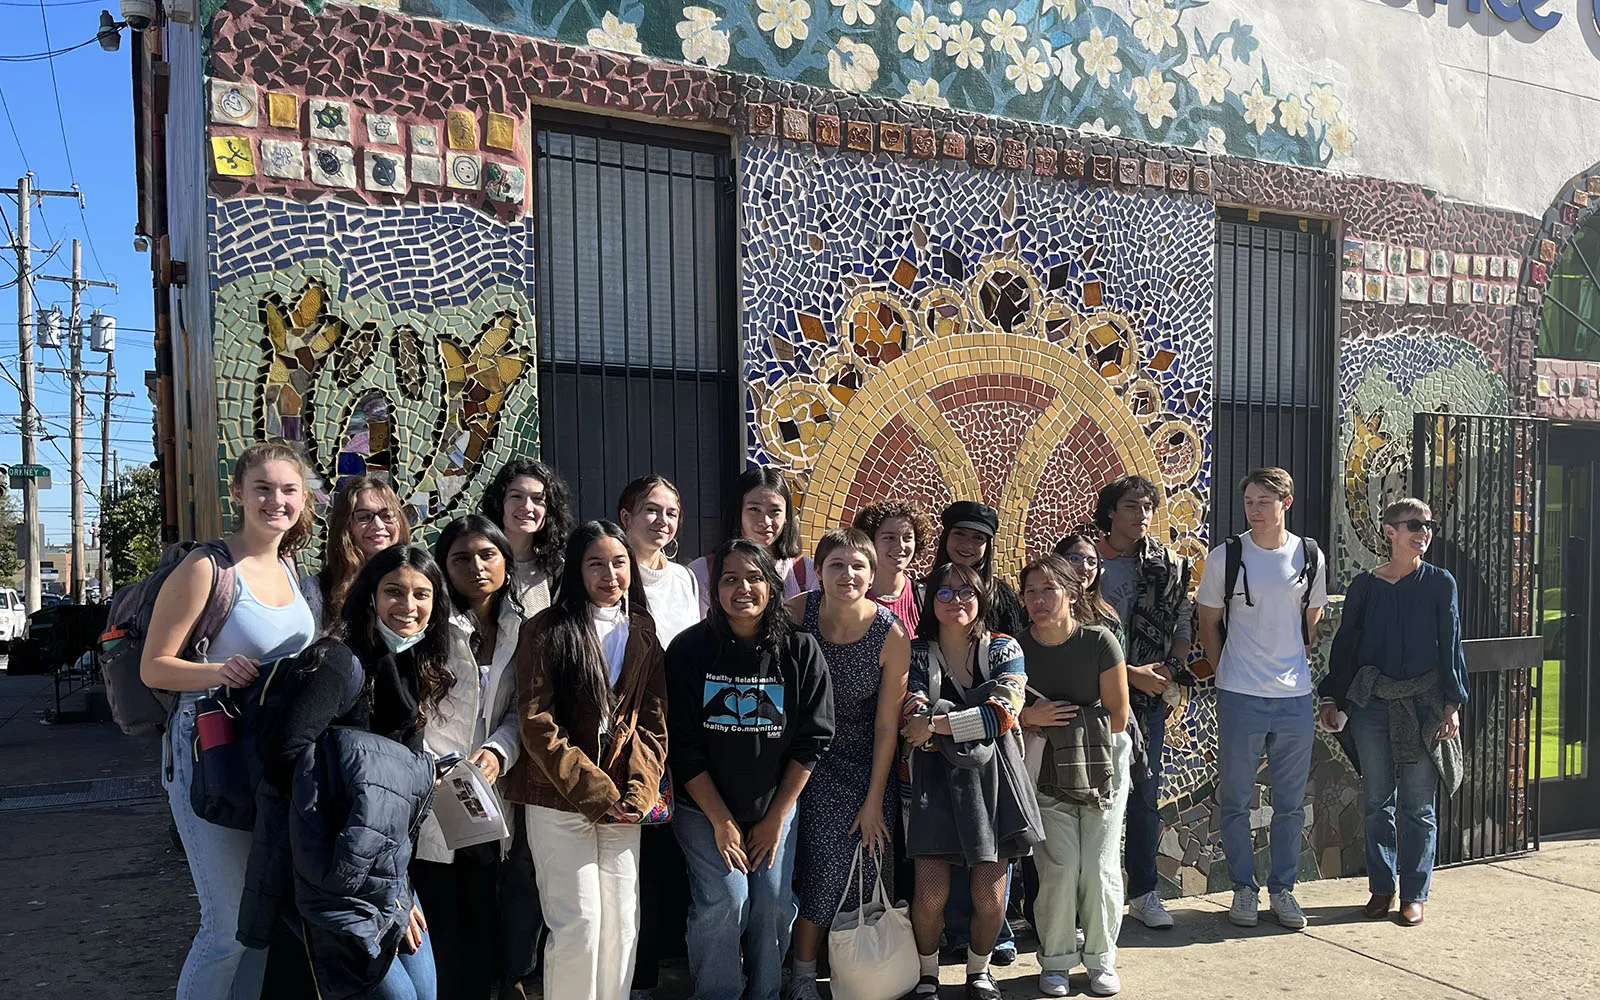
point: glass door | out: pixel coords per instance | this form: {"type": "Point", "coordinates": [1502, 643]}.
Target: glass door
{"type": "Point", "coordinates": [1569, 703]}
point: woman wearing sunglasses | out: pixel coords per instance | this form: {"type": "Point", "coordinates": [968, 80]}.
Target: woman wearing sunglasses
{"type": "Point", "coordinates": [1397, 669]}
{"type": "Point", "coordinates": [971, 802]}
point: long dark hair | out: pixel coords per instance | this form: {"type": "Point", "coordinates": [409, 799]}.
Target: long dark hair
{"type": "Point", "coordinates": [430, 658]}
{"type": "Point", "coordinates": [985, 567]}
{"type": "Point", "coordinates": [1093, 604]}
{"type": "Point", "coordinates": [787, 544]}
{"type": "Point", "coordinates": [952, 575]}
{"type": "Point", "coordinates": [775, 626]}
{"type": "Point", "coordinates": [341, 560]}
{"type": "Point", "coordinates": [566, 634]}
{"type": "Point", "coordinates": [551, 538]}
{"type": "Point", "coordinates": [464, 527]}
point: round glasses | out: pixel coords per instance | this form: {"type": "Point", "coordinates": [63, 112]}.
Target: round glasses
{"type": "Point", "coordinates": [365, 518]}
{"type": "Point", "coordinates": [1080, 559]}
{"type": "Point", "coordinates": [947, 595]}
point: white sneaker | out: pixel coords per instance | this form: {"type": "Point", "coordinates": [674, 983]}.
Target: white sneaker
{"type": "Point", "coordinates": [1148, 910]}
{"type": "Point", "coordinates": [804, 988]}
{"type": "Point", "coordinates": [1246, 904]}
{"type": "Point", "coordinates": [1054, 984]}
{"type": "Point", "coordinates": [1287, 910]}
{"type": "Point", "coordinates": [1104, 982]}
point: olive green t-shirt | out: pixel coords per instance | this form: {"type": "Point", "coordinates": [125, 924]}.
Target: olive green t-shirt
{"type": "Point", "coordinates": [1070, 670]}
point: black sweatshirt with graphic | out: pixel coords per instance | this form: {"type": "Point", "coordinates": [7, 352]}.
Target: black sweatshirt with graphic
{"type": "Point", "coordinates": [741, 714]}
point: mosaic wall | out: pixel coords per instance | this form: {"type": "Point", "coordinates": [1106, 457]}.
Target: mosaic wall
{"type": "Point", "coordinates": [1561, 389]}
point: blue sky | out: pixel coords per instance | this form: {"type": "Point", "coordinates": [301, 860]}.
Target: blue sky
{"type": "Point", "coordinates": [87, 139]}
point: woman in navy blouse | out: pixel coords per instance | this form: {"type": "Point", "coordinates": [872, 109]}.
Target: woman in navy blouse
{"type": "Point", "coordinates": [1397, 670]}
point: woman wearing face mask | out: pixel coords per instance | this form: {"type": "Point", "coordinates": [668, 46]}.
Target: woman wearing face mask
{"type": "Point", "coordinates": [366, 518]}
{"type": "Point", "coordinates": [968, 539]}
{"type": "Point", "coordinates": [591, 694]}
{"type": "Point", "coordinates": [900, 531]}
{"type": "Point", "coordinates": [649, 510]}
{"type": "Point", "coordinates": [754, 715]}
{"type": "Point", "coordinates": [395, 633]}
{"type": "Point", "coordinates": [268, 619]}
{"type": "Point", "coordinates": [1078, 685]}
{"type": "Point", "coordinates": [849, 800]}
{"type": "Point", "coordinates": [762, 510]}
{"type": "Point", "coordinates": [529, 501]}
{"type": "Point", "coordinates": [971, 802]}
{"type": "Point", "coordinates": [478, 720]}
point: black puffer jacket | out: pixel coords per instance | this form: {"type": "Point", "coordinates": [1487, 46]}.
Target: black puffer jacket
{"type": "Point", "coordinates": [356, 800]}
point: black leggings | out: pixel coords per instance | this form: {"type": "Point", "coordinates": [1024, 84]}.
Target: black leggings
{"type": "Point", "coordinates": [458, 902]}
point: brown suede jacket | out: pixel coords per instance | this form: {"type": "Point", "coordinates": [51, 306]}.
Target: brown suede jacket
{"type": "Point", "coordinates": [560, 766]}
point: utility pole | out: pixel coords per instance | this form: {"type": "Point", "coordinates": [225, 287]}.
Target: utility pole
{"type": "Point", "coordinates": [29, 548]}
{"type": "Point", "coordinates": [105, 455]}
{"type": "Point", "coordinates": [75, 375]}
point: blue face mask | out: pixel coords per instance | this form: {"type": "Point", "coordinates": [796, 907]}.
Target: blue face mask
{"type": "Point", "coordinates": [396, 642]}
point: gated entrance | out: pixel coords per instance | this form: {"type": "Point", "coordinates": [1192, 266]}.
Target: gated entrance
{"type": "Point", "coordinates": [1482, 476]}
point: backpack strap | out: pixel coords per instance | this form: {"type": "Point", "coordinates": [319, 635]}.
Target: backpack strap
{"type": "Point", "coordinates": [1311, 557]}
{"type": "Point", "coordinates": [219, 602]}
{"type": "Point", "coordinates": [800, 574]}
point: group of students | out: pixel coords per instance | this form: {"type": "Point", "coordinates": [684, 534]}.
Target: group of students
{"type": "Point", "coordinates": [724, 755]}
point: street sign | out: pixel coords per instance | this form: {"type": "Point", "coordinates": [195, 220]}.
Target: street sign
{"type": "Point", "coordinates": [20, 475]}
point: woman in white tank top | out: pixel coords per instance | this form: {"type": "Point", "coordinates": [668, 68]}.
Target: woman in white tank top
{"type": "Point", "coordinates": [269, 619]}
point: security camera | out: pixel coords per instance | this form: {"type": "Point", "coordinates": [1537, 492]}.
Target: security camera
{"type": "Point", "coordinates": [139, 14]}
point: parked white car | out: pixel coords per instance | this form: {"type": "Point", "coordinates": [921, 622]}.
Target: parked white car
{"type": "Point", "coordinates": [13, 616]}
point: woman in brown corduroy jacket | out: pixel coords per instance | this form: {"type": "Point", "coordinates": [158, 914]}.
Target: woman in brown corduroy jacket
{"type": "Point", "coordinates": [592, 699]}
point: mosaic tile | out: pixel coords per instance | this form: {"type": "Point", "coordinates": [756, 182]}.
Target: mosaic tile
{"type": "Point", "coordinates": [384, 171]}
{"type": "Point", "coordinates": [763, 119]}
{"type": "Point", "coordinates": [858, 136]}
{"type": "Point", "coordinates": [329, 119]}
{"type": "Point", "coordinates": [1072, 162]}
{"type": "Point", "coordinates": [1178, 176]}
{"type": "Point", "coordinates": [795, 125]}
{"type": "Point", "coordinates": [1013, 153]}
{"type": "Point", "coordinates": [1155, 173]}
{"type": "Point", "coordinates": [892, 137]}
{"type": "Point", "coordinates": [461, 129]}
{"type": "Point", "coordinates": [427, 170]}
{"type": "Point", "coordinates": [464, 170]}
{"type": "Point", "coordinates": [382, 129]}
{"type": "Point", "coordinates": [283, 109]}
{"type": "Point", "coordinates": [232, 155]}
{"type": "Point", "coordinates": [283, 158]}
{"type": "Point", "coordinates": [1045, 160]}
{"type": "Point", "coordinates": [500, 131]}
{"type": "Point", "coordinates": [922, 143]}
{"type": "Point", "coordinates": [234, 104]}
{"type": "Point", "coordinates": [953, 146]}
{"type": "Point", "coordinates": [333, 166]}
{"type": "Point", "coordinates": [1128, 171]}
{"type": "Point", "coordinates": [1102, 169]}
{"type": "Point", "coordinates": [828, 130]}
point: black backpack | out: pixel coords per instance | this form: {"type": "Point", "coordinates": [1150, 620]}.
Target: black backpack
{"type": "Point", "coordinates": [1234, 566]}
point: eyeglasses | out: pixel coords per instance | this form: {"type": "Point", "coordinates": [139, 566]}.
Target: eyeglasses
{"type": "Point", "coordinates": [1080, 559]}
{"type": "Point", "coordinates": [945, 595]}
{"type": "Point", "coordinates": [364, 518]}
{"type": "Point", "coordinates": [1417, 524]}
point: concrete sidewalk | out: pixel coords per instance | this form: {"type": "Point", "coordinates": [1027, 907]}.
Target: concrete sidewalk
{"type": "Point", "coordinates": [96, 903]}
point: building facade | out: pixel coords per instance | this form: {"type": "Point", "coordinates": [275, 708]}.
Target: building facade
{"type": "Point", "coordinates": [937, 250]}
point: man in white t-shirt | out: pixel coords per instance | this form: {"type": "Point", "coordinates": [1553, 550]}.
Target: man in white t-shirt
{"type": "Point", "coordinates": [1264, 699]}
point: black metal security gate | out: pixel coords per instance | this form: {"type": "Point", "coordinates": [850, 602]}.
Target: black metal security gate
{"type": "Point", "coordinates": [1275, 364]}
{"type": "Point", "coordinates": [638, 350]}
{"type": "Point", "coordinates": [1482, 475]}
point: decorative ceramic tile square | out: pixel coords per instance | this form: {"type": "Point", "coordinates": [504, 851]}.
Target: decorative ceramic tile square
{"type": "Point", "coordinates": [953, 146]}
{"type": "Point", "coordinates": [384, 171]}
{"type": "Point", "coordinates": [1594, 184]}
{"type": "Point", "coordinates": [922, 143]}
{"type": "Point", "coordinates": [1013, 154]}
{"type": "Point", "coordinates": [1480, 265]}
{"type": "Point", "coordinates": [333, 166]}
{"type": "Point", "coordinates": [1045, 160]}
{"type": "Point", "coordinates": [1397, 259]}
{"type": "Point", "coordinates": [796, 125]}
{"type": "Point", "coordinates": [1480, 292]}
{"type": "Point", "coordinates": [1513, 266]}
{"type": "Point", "coordinates": [1202, 180]}
{"type": "Point", "coordinates": [1496, 294]}
{"type": "Point", "coordinates": [1497, 266]}
{"type": "Point", "coordinates": [1155, 173]}
{"type": "Point", "coordinates": [1547, 251]}
{"type": "Point", "coordinates": [1510, 295]}
{"type": "Point", "coordinates": [1569, 214]}
{"type": "Point", "coordinates": [1440, 294]}
{"type": "Point", "coordinates": [1531, 295]}
{"type": "Point", "coordinates": [232, 155]}
{"type": "Point", "coordinates": [1418, 260]}
{"type": "Point", "coordinates": [1538, 274]}
{"type": "Point", "coordinates": [1580, 197]}
{"type": "Point", "coordinates": [329, 120]}
{"type": "Point", "coordinates": [763, 119]}
{"type": "Point", "coordinates": [1104, 169]}
{"type": "Point", "coordinates": [858, 136]}
{"type": "Point", "coordinates": [1072, 162]}
{"type": "Point", "coordinates": [1351, 252]}
{"type": "Point", "coordinates": [503, 182]}
{"type": "Point", "coordinates": [1178, 176]}
{"type": "Point", "coordinates": [500, 131]}
{"type": "Point", "coordinates": [425, 139]}
{"type": "Point", "coordinates": [985, 151]}
{"type": "Point", "coordinates": [1417, 289]}
{"type": "Point", "coordinates": [827, 130]}
{"type": "Point", "coordinates": [464, 171]}
{"type": "Point", "coordinates": [1439, 264]}
{"type": "Point", "coordinates": [427, 170]}
{"type": "Point", "coordinates": [234, 104]}
{"type": "Point", "coordinates": [892, 137]}
{"type": "Point", "coordinates": [1397, 290]}
{"type": "Point", "coordinates": [1373, 253]}
{"type": "Point", "coordinates": [1374, 287]}
{"type": "Point", "coordinates": [1460, 291]}
{"type": "Point", "coordinates": [382, 129]}
{"type": "Point", "coordinates": [283, 110]}
{"type": "Point", "coordinates": [461, 129]}
{"type": "Point", "coordinates": [1128, 168]}
{"type": "Point", "coordinates": [283, 158]}
{"type": "Point", "coordinates": [1350, 286]}
{"type": "Point", "coordinates": [1462, 263]}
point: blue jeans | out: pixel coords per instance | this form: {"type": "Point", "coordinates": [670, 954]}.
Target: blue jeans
{"type": "Point", "coordinates": [958, 912]}
{"type": "Point", "coordinates": [728, 909]}
{"type": "Point", "coordinates": [410, 976]}
{"type": "Point", "coordinates": [1284, 729]}
{"type": "Point", "coordinates": [1383, 782]}
{"type": "Point", "coordinates": [218, 966]}
{"type": "Point", "coordinates": [1144, 813]}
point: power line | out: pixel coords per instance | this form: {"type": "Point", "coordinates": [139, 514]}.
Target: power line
{"type": "Point", "coordinates": [17, 138]}
{"type": "Point", "coordinates": [61, 120]}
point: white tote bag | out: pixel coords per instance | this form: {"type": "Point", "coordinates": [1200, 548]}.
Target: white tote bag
{"type": "Point", "coordinates": [872, 953]}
